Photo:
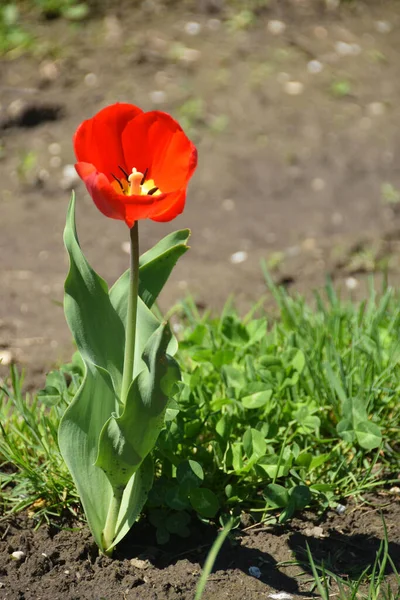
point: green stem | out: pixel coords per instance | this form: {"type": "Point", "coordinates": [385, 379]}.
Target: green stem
{"type": "Point", "coordinates": [132, 313]}
{"type": "Point", "coordinates": [111, 521]}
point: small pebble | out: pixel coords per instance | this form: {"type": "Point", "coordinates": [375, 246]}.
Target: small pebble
{"type": "Point", "coordinates": [137, 562]}
{"type": "Point", "coordinates": [238, 257]}
{"type": "Point", "coordinates": [376, 109]}
{"type": "Point", "coordinates": [18, 555]}
{"type": "Point", "coordinates": [318, 184]}
{"type": "Point", "coordinates": [294, 88]}
{"type": "Point", "coordinates": [255, 572]}
{"type": "Point", "coordinates": [69, 177]}
{"type": "Point", "coordinates": [340, 509]}
{"type": "Point", "coordinates": [213, 24]}
{"type": "Point", "coordinates": [316, 532]}
{"type": "Point", "coordinates": [320, 32]}
{"type": "Point", "coordinates": [6, 358]}
{"type": "Point", "coordinates": [54, 148]}
{"type": "Point", "coordinates": [90, 79]}
{"type": "Point", "coordinates": [351, 284]}
{"type": "Point", "coordinates": [16, 108]}
{"type": "Point", "coordinates": [276, 27]}
{"type": "Point", "coordinates": [189, 56]}
{"type": "Point", "coordinates": [192, 28]}
{"type": "Point", "coordinates": [345, 49]}
{"type": "Point", "coordinates": [43, 175]}
{"type": "Point", "coordinates": [228, 204]}
{"type": "Point", "coordinates": [126, 247]}
{"type": "Point", "coordinates": [383, 26]}
{"type": "Point", "coordinates": [48, 71]}
{"type": "Point", "coordinates": [280, 596]}
{"type": "Point", "coordinates": [158, 97]}
{"type": "Point", "coordinates": [314, 67]}
{"type": "Point", "coordinates": [394, 490]}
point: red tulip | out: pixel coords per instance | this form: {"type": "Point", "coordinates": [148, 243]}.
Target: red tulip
{"type": "Point", "coordinates": [135, 165]}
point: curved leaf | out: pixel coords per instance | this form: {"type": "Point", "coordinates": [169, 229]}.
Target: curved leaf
{"type": "Point", "coordinates": [126, 440]}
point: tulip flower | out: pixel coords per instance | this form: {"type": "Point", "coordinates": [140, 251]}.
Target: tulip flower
{"type": "Point", "coordinates": [135, 165]}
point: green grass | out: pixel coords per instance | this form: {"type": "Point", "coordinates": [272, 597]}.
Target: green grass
{"type": "Point", "coordinates": [274, 413]}
{"type": "Point", "coordinates": [370, 585]}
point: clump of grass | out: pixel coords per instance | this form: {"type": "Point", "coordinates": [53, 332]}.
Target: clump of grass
{"type": "Point", "coordinates": [371, 584]}
{"type": "Point", "coordinates": [272, 415]}
{"type": "Point", "coordinates": [33, 474]}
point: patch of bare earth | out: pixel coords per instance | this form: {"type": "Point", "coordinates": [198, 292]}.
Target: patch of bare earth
{"type": "Point", "coordinates": [65, 565]}
{"type": "Point", "coordinates": [291, 161]}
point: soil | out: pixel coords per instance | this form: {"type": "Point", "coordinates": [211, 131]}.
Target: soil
{"type": "Point", "coordinates": [306, 181]}
{"type": "Point", "coordinates": [296, 167]}
{"type": "Point", "coordinates": [65, 565]}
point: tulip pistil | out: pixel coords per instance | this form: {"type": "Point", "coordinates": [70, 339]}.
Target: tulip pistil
{"type": "Point", "coordinates": [136, 184]}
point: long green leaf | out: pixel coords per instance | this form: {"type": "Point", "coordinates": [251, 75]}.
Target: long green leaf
{"type": "Point", "coordinates": [97, 321]}
{"type": "Point", "coordinates": [78, 437]}
{"type": "Point", "coordinates": [126, 440]}
{"type": "Point", "coordinates": [97, 328]}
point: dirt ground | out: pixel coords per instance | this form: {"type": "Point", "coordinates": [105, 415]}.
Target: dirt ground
{"type": "Point", "coordinates": [299, 165]}
{"type": "Point", "coordinates": [65, 565]}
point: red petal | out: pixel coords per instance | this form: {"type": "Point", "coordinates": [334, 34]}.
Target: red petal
{"type": "Point", "coordinates": [98, 186]}
{"type": "Point", "coordinates": [98, 140]}
{"type": "Point", "coordinates": [154, 140]}
{"type": "Point", "coordinates": [171, 208]}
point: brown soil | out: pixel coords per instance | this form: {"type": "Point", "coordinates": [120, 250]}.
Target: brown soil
{"type": "Point", "coordinates": [65, 565]}
{"type": "Point", "coordinates": [293, 179]}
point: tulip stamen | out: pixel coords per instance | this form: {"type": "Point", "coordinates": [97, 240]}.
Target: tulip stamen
{"type": "Point", "coordinates": [144, 176]}
{"type": "Point", "coordinates": [152, 191]}
{"type": "Point", "coordinates": [119, 181]}
{"type": "Point", "coordinates": [124, 172]}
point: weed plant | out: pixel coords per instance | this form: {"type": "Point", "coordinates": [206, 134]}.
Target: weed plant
{"type": "Point", "coordinates": [272, 415]}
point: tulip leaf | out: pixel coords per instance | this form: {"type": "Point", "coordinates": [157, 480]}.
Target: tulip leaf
{"type": "Point", "coordinates": [126, 440]}
{"type": "Point", "coordinates": [155, 266]}
{"type": "Point", "coordinates": [157, 263]}
{"type": "Point", "coordinates": [134, 498]}
{"type": "Point", "coordinates": [97, 328]}
{"type": "Point", "coordinates": [78, 436]}
{"type": "Point", "coordinates": [97, 321]}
